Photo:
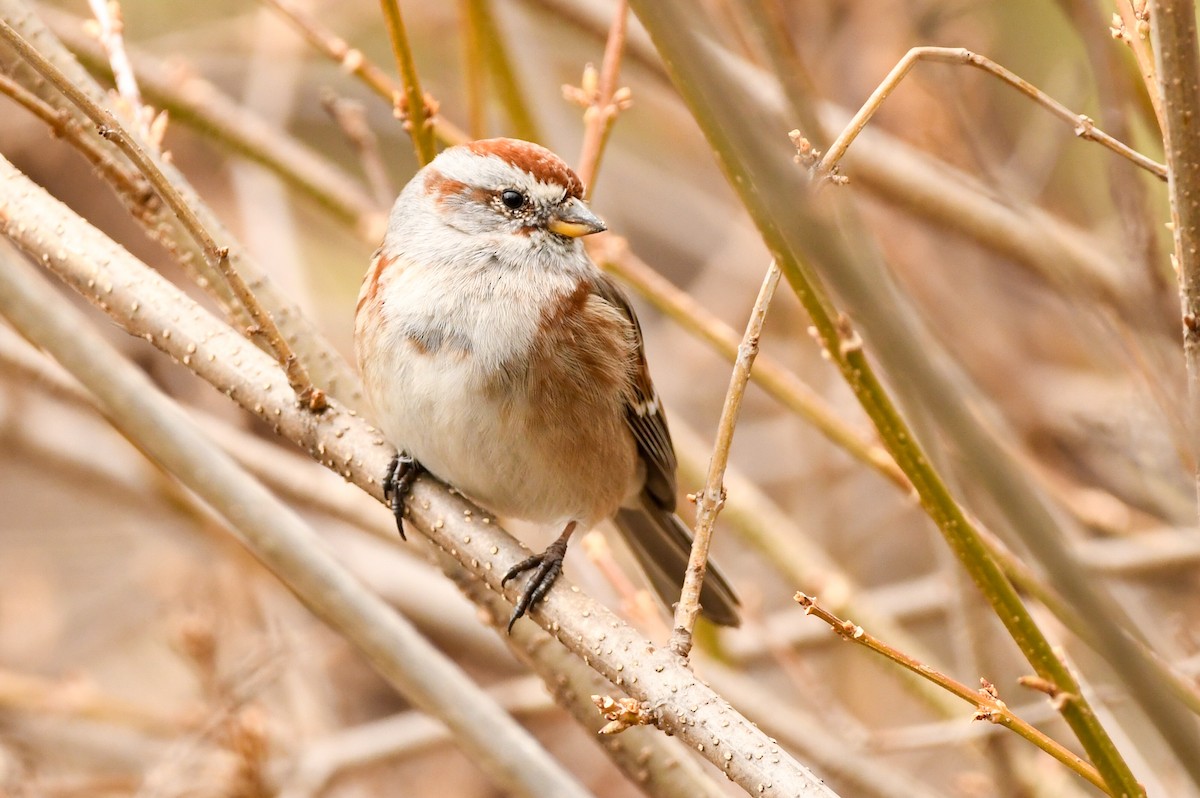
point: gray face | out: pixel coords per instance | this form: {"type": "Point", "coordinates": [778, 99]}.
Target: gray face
{"type": "Point", "coordinates": [504, 186]}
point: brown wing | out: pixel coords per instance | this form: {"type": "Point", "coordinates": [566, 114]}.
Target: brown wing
{"type": "Point", "coordinates": [659, 540]}
{"type": "Point", "coordinates": [644, 413]}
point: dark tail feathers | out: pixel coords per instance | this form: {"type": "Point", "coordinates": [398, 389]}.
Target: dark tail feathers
{"type": "Point", "coordinates": [662, 543]}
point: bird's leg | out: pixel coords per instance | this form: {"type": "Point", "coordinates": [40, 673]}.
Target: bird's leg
{"type": "Point", "coordinates": [400, 475]}
{"type": "Point", "coordinates": [545, 566]}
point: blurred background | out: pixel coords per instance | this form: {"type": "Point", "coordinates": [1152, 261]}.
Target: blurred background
{"type": "Point", "coordinates": [143, 652]}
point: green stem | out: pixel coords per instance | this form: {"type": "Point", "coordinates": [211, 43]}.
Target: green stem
{"type": "Point", "coordinates": [500, 66]}
{"type": "Point", "coordinates": [420, 128]}
{"type": "Point", "coordinates": [688, 52]}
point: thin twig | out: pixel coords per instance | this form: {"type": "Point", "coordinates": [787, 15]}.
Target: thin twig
{"type": "Point", "coordinates": [23, 692]}
{"type": "Point", "coordinates": [790, 550]}
{"type": "Point", "coordinates": [601, 99]}
{"type": "Point", "coordinates": [827, 166]}
{"type": "Point", "coordinates": [637, 604]}
{"type": "Point", "coordinates": [129, 185]}
{"type": "Point", "coordinates": [111, 129]}
{"type": "Point", "coordinates": [411, 104]}
{"type": "Point", "coordinates": [111, 28]}
{"type": "Point", "coordinates": [1132, 27]}
{"type": "Point", "coordinates": [712, 498]}
{"type": "Point", "coordinates": [394, 738]}
{"type": "Point", "coordinates": [613, 255]}
{"type": "Point", "coordinates": [351, 118]}
{"type": "Point", "coordinates": [986, 700]}
{"type": "Point", "coordinates": [1115, 95]}
{"type": "Point", "coordinates": [356, 63]}
{"type": "Point", "coordinates": [196, 102]}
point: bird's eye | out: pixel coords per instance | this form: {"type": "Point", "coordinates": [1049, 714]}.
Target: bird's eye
{"type": "Point", "coordinates": [513, 200]}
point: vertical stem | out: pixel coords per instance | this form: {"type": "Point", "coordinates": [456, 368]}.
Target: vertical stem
{"type": "Point", "coordinates": [601, 114]}
{"type": "Point", "coordinates": [473, 72]}
{"type": "Point", "coordinates": [712, 498]}
{"type": "Point", "coordinates": [1173, 33]}
{"type": "Point", "coordinates": [500, 69]}
{"type": "Point", "coordinates": [420, 128]}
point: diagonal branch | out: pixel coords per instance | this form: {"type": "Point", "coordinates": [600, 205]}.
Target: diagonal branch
{"type": "Point", "coordinates": [112, 129]}
{"type": "Point", "coordinates": [330, 370]}
{"type": "Point", "coordinates": [281, 539]}
{"type": "Point", "coordinates": [987, 702]}
{"type": "Point", "coordinates": [1084, 127]}
{"type": "Point", "coordinates": [149, 307]}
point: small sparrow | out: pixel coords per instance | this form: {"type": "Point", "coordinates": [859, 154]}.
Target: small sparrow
{"type": "Point", "coordinates": [501, 360]}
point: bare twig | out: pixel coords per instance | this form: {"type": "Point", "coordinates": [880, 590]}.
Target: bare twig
{"type": "Point", "coordinates": [411, 105]}
{"type": "Point", "coordinates": [827, 166]}
{"type": "Point", "coordinates": [1132, 27]}
{"type": "Point", "coordinates": [196, 102]}
{"type": "Point", "coordinates": [129, 185]}
{"type": "Point", "coordinates": [711, 499]}
{"type": "Point", "coordinates": [111, 34]}
{"type": "Point", "coordinates": [601, 99]}
{"type": "Point", "coordinates": [1115, 95]}
{"type": "Point", "coordinates": [613, 254]}
{"type": "Point", "coordinates": [356, 63]}
{"type": "Point", "coordinates": [351, 117]}
{"type": "Point", "coordinates": [791, 551]}
{"type": "Point", "coordinates": [393, 738]}
{"type": "Point", "coordinates": [637, 604]}
{"type": "Point", "coordinates": [112, 129]}
{"type": "Point", "coordinates": [79, 698]}
{"type": "Point", "coordinates": [862, 772]}
{"type": "Point", "coordinates": [986, 700]}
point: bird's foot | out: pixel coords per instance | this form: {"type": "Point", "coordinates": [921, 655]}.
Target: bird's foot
{"type": "Point", "coordinates": [546, 567]}
{"type": "Point", "coordinates": [397, 481]}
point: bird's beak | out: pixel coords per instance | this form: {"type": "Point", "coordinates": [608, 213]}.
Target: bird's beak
{"type": "Point", "coordinates": [575, 219]}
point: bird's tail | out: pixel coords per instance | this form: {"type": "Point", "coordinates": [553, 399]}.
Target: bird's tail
{"type": "Point", "coordinates": [662, 543]}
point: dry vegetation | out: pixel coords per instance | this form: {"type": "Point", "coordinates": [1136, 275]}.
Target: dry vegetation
{"type": "Point", "coordinates": [168, 628]}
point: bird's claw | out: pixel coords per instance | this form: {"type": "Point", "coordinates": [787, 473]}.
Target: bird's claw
{"type": "Point", "coordinates": [546, 567]}
{"type": "Point", "coordinates": [397, 481]}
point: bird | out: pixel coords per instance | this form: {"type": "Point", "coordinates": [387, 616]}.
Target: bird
{"type": "Point", "coordinates": [500, 359]}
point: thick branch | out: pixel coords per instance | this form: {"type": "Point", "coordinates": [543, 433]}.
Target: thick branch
{"type": "Point", "coordinates": [281, 539]}
{"type": "Point", "coordinates": [147, 306]}
{"type": "Point", "coordinates": [1173, 32]}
